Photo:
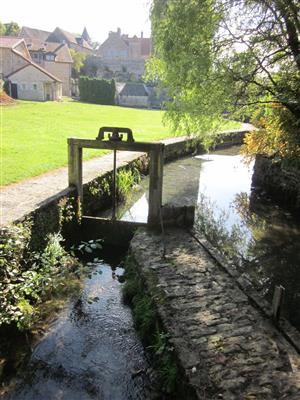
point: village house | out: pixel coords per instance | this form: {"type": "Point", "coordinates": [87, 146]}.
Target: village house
{"type": "Point", "coordinates": [133, 94]}
{"type": "Point", "coordinates": [54, 58]}
{"type": "Point", "coordinates": [121, 53]}
{"type": "Point", "coordinates": [25, 79]}
{"type": "Point", "coordinates": [79, 43]}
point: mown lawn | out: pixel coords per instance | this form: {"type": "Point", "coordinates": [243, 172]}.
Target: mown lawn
{"type": "Point", "coordinates": [34, 135]}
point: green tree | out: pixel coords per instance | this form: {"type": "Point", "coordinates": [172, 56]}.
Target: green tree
{"type": "Point", "coordinates": [12, 29]}
{"type": "Point", "coordinates": [2, 29]}
{"type": "Point", "coordinates": [78, 62]}
{"type": "Point", "coordinates": [233, 55]}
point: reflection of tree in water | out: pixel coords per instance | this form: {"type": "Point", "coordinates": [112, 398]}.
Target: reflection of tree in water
{"type": "Point", "coordinates": [274, 251]}
{"type": "Point", "coordinates": [265, 243]}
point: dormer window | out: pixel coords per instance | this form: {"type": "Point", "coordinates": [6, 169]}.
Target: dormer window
{"type": "Point", "coordinates": [50, 57]}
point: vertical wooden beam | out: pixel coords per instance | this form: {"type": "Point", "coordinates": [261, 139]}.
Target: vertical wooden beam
{"type": "Point", "coordinates": [156, 185]}
{"type": "Point", "coordinates": [277, 302]}
{"type": "Point", "coordinates": [75, 167]}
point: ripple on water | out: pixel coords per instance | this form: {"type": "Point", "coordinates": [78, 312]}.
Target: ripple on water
{"type": "Point", "coordinates": [92, 350]}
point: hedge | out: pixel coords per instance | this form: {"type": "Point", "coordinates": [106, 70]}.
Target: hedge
{"type": "Point", "coordinates": [97, 90]}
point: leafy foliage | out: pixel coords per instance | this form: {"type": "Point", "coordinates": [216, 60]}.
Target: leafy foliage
{"type": "Point", "coordinates": [78, 62]}
{"type": "Point", "coordinates": [227, 55]}
{"type": "Point", "coordinates": [149, 329]}
{"type": "Point", "coordinates": [97, 90]}
{"type": "Point", "coordinates": [126, 179]}
{"type": "Point", "coordinates": [26, 276]}
{"type": "Point", "coordinates": [90, 246]}
{"type": "Point", "coordinates": [9, 29]}
{"type": "Point", "coordinates": [277, 136]}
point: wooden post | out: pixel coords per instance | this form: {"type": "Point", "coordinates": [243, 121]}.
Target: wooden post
{"type": "Point", "coordinates": [75, 167]}
{"type": "Point", "coordinates": [277, 302]}
{"type": "Point", "coordinates": [156, 185]}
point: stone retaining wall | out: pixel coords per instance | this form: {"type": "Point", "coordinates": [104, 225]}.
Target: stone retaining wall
{"type": "Point", "coordinates": [282, 184]}
{"type": "Point", "coordinates": [227, 348]}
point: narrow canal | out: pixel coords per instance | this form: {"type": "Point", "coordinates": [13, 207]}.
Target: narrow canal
{"type": "Point", "coordinates": [262, 239]}
{"type": "Point", "coordinates": [92, 350]}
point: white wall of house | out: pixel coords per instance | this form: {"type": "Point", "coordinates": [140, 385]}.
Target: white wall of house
{"type": "Point", "coordinates": [134, 101]}
{"type": "Point", "coordinates": [10, 61]}
{"type": "Point", "coordinates": [33, 84]}
{"type": "Point", "coordinates": [63, 72]}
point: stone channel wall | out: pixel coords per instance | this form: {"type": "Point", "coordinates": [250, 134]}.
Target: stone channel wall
{"type": "Point", "coordinates": [225, 345]}
{"type": "Point", "coordinates": [280, 183]}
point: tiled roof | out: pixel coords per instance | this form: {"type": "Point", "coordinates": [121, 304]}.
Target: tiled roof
{"type": "Point", "coordinates": [60, 49]}
{"type": "Point", "coordinates": [85, 35]}
{"type": "Point", "coordinates": [9, 42]}
{"type": "Point", "coordinates": [134, 89]}
{"type": "Point", "coordinates": [32, 33]}
{"type": "Point", "coordinates": [70, 37]}
{"type": "Point", "coordinates": [29, 62]}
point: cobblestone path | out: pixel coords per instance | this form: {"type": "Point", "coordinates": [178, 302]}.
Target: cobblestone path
{"type": "Point", "coordinates": [226, 346]}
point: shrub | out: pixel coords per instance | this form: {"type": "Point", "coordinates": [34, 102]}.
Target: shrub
{"type": "Point", "coordinates": [97, 90]}
{"type": "Point", "coordinates": [277, 136]}
{"type": "Point", "coordinates": [27, 276]}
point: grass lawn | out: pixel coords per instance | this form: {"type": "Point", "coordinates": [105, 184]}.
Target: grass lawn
{"type": "Point", "coordinates": [34, 135]}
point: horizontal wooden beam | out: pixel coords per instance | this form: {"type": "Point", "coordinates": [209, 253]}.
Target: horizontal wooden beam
{"type": "Point", "coordinates": [107, 145]}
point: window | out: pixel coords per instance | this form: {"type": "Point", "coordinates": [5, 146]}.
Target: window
{"type": "Point", "coordinates": [50, 57]}
{"type": "Point", "coordinates": [34, 86]}
{"type": "Point", "coordinates": [23, 86]}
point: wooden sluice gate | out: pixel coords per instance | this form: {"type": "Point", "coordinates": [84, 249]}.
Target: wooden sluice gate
{"type": "Point", "coordinates": [114, 230]}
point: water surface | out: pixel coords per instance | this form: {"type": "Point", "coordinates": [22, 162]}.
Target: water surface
{"type": "Point", "coordinates": [92, 350]}
{"type": "Point", "coordinates": [267, 238]}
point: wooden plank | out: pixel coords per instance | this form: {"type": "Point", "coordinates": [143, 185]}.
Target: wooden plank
{"type": "Point", "coordinates": [75, 167]}
{"type": "Point", "coordinates": [155, 186]}
{"type": "Point", "coordinates": [106, 145]}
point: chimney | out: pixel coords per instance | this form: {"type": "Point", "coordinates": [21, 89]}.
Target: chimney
{"type": "Point", "coordinates": [142, 35]}
{"type": "Point", "coordinates": [119, 31]}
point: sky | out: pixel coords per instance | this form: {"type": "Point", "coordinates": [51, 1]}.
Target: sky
{"type": "Point", "coordinates": [99, 16]}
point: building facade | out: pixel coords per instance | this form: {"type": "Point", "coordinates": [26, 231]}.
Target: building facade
{"type": "Point", "coordinates": [121, 53]}
{"type": "Point", "coordinates": [25, 79]}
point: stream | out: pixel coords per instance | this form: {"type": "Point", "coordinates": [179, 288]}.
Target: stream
{"type": "Point", "coordinates": [266, 237]}
{"type": "Point", "coordinates": [92, 351]}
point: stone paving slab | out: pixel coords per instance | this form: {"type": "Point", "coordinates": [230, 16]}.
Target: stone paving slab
{"type": "Point", "coordinates": [227, 347]}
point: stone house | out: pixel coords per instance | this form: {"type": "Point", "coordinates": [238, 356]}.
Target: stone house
{"type": "Point", "coordinates": [31, 82]}
{"type": "Point", "coordinates": [25, 79]}
{"type": "Point", "coordinates": [54, 58]}
{"type": "Point", "coordinates": [133, 94]}
{"type": "Point", "coordinates": [121, 53]}
{"type": "Point", "coordinates": [13, 54]}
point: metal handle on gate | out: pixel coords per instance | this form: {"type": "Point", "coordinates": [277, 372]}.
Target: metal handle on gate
{"type": "Point", "coordinates": [116, 134]}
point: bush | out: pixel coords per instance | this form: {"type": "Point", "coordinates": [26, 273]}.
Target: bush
{"type": "Point", "coordinates": [97, 90]}
{"type": "Point", "coordinates": [27, 276]}
{"type": "Point", "coordinates": [277, 136]}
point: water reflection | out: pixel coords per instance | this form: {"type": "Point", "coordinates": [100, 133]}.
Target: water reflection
{"type": "Point", "coordinates": [265, 237]}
